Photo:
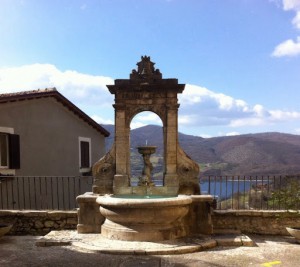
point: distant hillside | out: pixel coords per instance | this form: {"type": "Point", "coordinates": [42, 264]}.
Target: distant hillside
{"type": "Point", "coordinates": [251, 154]}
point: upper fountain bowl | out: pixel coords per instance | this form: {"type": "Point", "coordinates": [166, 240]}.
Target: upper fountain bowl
{"type": "Point", "coordinates": [146, 149]}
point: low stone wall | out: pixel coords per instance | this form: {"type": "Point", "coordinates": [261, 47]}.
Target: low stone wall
{"type": "Point", "coordinates": [256, 222]}
{"type": "Point", "coordinates": [38, 222]}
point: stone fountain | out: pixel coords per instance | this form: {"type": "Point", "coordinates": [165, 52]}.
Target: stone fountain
{"type": "Point", "coordinates": [143, 217]}
{"type": "Point", "coordinates": [120, 211]}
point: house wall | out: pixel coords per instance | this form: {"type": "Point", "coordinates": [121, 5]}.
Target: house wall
{"type": "Point", "coordinates": [49, 137]}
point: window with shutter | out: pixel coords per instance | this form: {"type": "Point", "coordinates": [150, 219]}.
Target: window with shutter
{"type": "Point", "coordinates": [3, 150]}
{"type": "Point", "coordinates": [14, 151]}
{"type": "Point", "coordinates": [9, 151]}
{"type": "Point", "coordinates": [84, 154]}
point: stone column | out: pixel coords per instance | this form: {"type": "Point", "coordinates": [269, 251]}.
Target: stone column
{"type": "Point", "coordinates": [121, 178]}
{"type": "Point", "coordinates": [171, 137]}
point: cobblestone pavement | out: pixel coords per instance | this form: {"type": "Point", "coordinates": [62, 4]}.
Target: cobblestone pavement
{"type": "Point", "coordinates": [269, 251]}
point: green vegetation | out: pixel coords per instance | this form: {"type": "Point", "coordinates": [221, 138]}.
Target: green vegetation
{"type": "Point", "coordinates": [288, 196]}
{"type": "Point", "coordinates": [281, 193]}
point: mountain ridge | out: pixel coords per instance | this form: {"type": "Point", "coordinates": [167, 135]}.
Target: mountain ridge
{"type": "Point", "coordinates": [269, 153]}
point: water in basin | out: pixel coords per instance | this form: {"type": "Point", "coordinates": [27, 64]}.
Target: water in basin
{"type": "Point", "coordinates": [141, 196]}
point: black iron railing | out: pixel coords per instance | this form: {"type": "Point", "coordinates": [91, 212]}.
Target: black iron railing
{"type": "Point", "coordinates": [42, 192]}
{"type": "Point", "coordinates": [253, 192]}
{"type": "Point", "coordinates": [229, 192]}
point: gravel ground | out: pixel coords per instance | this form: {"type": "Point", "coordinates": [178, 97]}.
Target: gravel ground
{"type": "Point", "coordinates": [269, 251]}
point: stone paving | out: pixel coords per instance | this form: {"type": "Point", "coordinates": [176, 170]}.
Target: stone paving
{"type": "Point", "coordinates": [275, 251]}
{"type": "Point", "coordinates": [97, 243]}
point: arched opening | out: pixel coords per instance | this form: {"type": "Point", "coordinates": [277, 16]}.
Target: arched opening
{"type": "Point", "coordinates": [146, 130]}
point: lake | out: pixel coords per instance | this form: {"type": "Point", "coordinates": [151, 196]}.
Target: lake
{"type": "Point", "coordinates": [220, 189]}
{"type": "Point", "coordinates": [225, 189]}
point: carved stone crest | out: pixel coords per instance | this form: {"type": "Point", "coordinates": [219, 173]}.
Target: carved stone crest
{"type": "Point", "coordinates": [145, 71]}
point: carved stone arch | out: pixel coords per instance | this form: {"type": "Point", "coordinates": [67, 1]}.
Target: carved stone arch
{"type": "Point", "coordinates": [146, 90]}
{"type": "Point", "coordinates": [131, 113]}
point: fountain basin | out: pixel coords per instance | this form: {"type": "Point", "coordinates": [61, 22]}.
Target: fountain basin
{"type": "Point", "coordinates": [144, 219]}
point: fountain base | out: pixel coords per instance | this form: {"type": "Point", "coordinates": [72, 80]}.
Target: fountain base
{"type": "Point", "coordinates": [133, 219]}
{"type": "Point", "coordinates": [144, 232]}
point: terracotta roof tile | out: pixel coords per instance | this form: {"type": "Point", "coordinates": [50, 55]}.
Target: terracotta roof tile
{"type": "Point", "coordinates": [24, 93]}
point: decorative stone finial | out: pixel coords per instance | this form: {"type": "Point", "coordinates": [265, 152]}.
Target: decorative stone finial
{"type": "Point", "coordinates": [145, 71]}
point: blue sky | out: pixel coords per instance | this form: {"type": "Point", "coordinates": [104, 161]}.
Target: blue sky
{"type": "Point", "coordinates": [240, 59]}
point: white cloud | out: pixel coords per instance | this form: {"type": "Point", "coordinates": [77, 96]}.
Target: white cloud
{"type": "Point", "coordinates": [279, 115]}
{"type": "Point", "coordinates": [205, 135]}
{"type": "Point", "coordinates": [218, 109]}
{"type": "Point", "coordinates": [251, 121]}
{"type": "Point", "coordinates": [185, 119]}
{"type": "Point", "coordinates": [194, 95]}
{"type": "Point", "coordinates": [260, 111]}
{"type": "Point", "coordinates": [287, 48]}
{"type": "Point", "coordinates": [291, 4]}
{"type": "Point", "coordinates": [78, 87]}
{"type": "Point", "coordinates": [148, 117]}
{"type": "Point", "coordinates": [137, 124]}
{"type": "Point", "coordinates": [26, 77]}
{"type": "Point", "coordinates": [296, 20]}
{"type": "Point", "coordinates": [145, 118]}
{"type": "Point", "coordinates": [266, 118]}
{"type": "Point", "coordinates": [101, 120]}
{"type": "Point", "coordinates": [290, 47]}
{"type": "Point", "coordinates": [200, 107]}
{"type": "Point", "coordinates": [232, 134]}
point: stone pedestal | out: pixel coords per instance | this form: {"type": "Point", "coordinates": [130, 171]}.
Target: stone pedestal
{"type": "Point", "coordinates": [89, 217]}
{"type": "Point", "coordinates": [199, 218]}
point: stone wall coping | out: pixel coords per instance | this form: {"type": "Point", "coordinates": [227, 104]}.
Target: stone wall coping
{"type": "Point", "coordinates": [264, 213]}
{"type": "Point", "coordinates": [87, 197]}
{"type": "Point", "coordinates": [261, 213]}
{"type": "Point", "coordinates": [202, 198]}
{"type": "Point", "coordinates": [33, 213]}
